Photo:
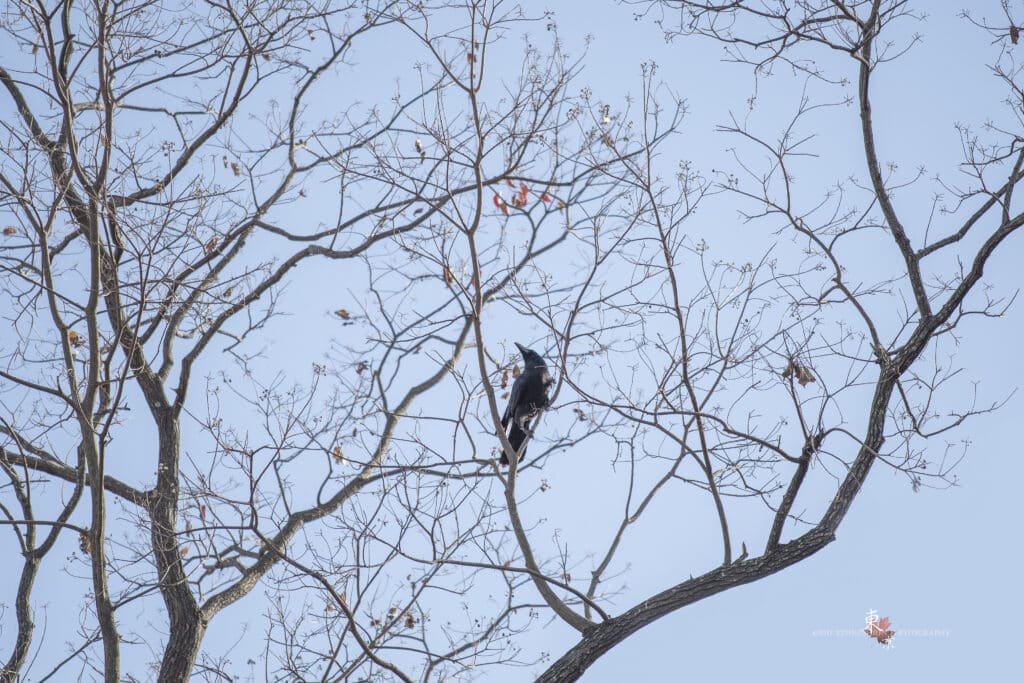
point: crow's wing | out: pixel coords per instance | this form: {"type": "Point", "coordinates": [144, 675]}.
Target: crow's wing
{"type": "Point", "coordinates": [513, 401]}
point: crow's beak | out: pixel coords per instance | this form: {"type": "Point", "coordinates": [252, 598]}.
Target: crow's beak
{"type": "Point", "coordinates": [522, 349]}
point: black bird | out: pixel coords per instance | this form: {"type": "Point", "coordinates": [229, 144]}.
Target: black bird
{"type": "Point", "coordinates": [529, 396]}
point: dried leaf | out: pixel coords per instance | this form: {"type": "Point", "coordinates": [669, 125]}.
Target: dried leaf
{"type": "Point", "coordinates": [449, 276]}
{"type": "Point", "coordinates": [84, 543]}
{"type": "Point", "coordinates": [580, 415]}
{"type": "Point", "coordinates": [546, 198]}
{"type": "Point", "coordinates": [35, 47]}
{"type": "Point", "coordinates": [360, 369]}
{"type": "Point", "coordinates": [343, 314]}
{"type": "Point", "coordinates": [235, 169]}
{"type": "Point", "coordinates": [337, 455]}
{"type": "Point", "coordinates": [470, 57]}
{"type": "Point", "coordinates": [804, 376]}
{"type": "Point", "coordinates": [410, 621]}
{"type": "Point", "coordinates": [266, 57]}
{"type": "Point", "coordinates": [515, 371]}
{"type": "Point", "coordinates": [329, 607]}
{"type": "Point", "coordinates": [504, 394]}
{"type": "Point", "coordinates": [211, 245]}
{"type": "Point", "coordinates": [504, 378]}
{"type": "Point", "coordinates": [228, 292]}
{"type": "Point", "coordinates": [75, 339]}
{"type": "Point", "coordinates": [1014, 34]}
{"type": "Point", "coordinates": [10, 230]}
{"type": "Point", "coordinates": [184, 550]}
{"type": "Point", "coordinates": [202, 512]}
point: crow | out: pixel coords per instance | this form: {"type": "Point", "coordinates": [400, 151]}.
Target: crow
{"type": "Point", "coordinates": [529, 396]}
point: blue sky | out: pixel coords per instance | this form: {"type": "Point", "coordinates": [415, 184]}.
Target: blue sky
{"type": "Point", "coordinates": [941, 564]}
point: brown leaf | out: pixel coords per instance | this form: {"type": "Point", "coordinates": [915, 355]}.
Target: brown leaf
{"type": "Point", "coordinates": [804, 376]}
{"type": "Point", "coordinates": [580, 415]}
{"type": "Point", "coordinates": [10, 230]}
{"type": "Point", "coordinates": [470, 57]}
{"type": "Point", "coordinates": [75, 339]}
{"type": "Point", "coordinates": [329, 607]}
{"type": "Point", "coordinates": [184, 550]}
{"type": "Point", "coordinates": [360, 369]}
{"type": "Point", "coordinates": [504, 378]}
{"type": "Point", "coordinates": [1014, 34]}
{"type": "Point", "coordinates": [85, 543]}
{"type": "Point", "coordinates": [228, 292]}
{"type": "Point", "coordinates": [516, 371]}
{"type": "Point", "coordinates": [410, 621]}
{"type": "Point", "coordinates": [35, 48]}
{"type": "Point", "coordinates": [449, 276]}
{"type": "Point", "coordinates": [235, 169]}
{"type": "Point", "coordinates": [499, 202]}
{"type": "Point", "coordinates": [202, 512]}
{"type": "Point", "coordinates": [343, 314]}
{"type": "Point", "coordinates": [504, 394]}
{"type": "Point", "coordinates": [265, 56]}
{"type": "Point", "coordinates": [337, 455]}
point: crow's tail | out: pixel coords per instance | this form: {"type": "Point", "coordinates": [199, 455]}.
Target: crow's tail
{"type": "Point", "coordinates": [516, 437]}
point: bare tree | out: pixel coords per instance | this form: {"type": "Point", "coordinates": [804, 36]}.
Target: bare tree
{"type": "Point", "coordinates": [179, 180]}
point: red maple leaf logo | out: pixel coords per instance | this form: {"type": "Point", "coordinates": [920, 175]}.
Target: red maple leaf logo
{"type": "Point", "coordinates": [880, 631]}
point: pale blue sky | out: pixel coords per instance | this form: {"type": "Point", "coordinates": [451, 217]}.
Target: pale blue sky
{"type": "Point", "coordinates": [941, 562]}
{"type": "Point", "coordinates": [935, 561]}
